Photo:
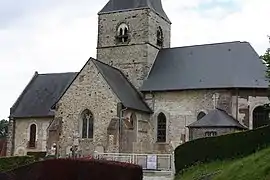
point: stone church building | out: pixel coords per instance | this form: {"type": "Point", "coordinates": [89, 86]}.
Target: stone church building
{"type": "Point", "coordinates": [140, 95]}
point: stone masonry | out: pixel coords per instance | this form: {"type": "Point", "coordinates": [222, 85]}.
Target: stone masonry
{"type": "Point", "coordinates": [135, 57]}
{"type": "Point", "coordinates": [181, 109]}
{"type": "Point", "coordinates": [88, 91]}
{"type": "Point", "coordinates": [195, 133]}
{"type": "Point", "coordinates": [22, 135]}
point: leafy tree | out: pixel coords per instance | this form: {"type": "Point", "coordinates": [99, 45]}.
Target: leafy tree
{"type": "Point", "coordinates": [266, 58]}
{"type": "Point", "coordinates": [3, 128]}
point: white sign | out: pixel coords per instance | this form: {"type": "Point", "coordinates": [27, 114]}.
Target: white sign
{"type": "Point", "coordinates": [151, 162]}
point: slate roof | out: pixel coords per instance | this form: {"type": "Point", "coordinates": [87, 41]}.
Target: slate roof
{"type": "Point", "coordinates": [123, 89]}
{"type": "Point", "coordinates": [221, 65]}
{"type": "Point", "coordinates": [216, 118]}
{"type": "Point", "coordinates": [39, 95]}
{"type": "Point", "coordinates": [119, 5]}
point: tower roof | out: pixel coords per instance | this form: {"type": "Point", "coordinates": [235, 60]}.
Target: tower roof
{"type": "Point", "coordinates": [120, 5]}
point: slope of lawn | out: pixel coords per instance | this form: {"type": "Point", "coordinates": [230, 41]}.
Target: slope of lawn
{"type": "Point", "coordinates": [253, 167]}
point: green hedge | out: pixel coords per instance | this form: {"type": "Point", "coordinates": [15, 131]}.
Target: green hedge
{"type": "Point", "coordinates": [10, 163]}
{"type": "Point", "coordinates": [224, 147]}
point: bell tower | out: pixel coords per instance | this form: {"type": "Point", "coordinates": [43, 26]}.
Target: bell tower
{"type": "Point", "coordinates": [130, 34]}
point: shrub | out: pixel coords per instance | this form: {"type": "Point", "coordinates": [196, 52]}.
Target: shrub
{"type": "Point", "coordinates": [70, 169]}
{"type": "Point", "coordinates": [221, 147]}
{"type": "Point", "coordinates": [9, 163]}
{"type": "Point", "coordinates": [37, 155]}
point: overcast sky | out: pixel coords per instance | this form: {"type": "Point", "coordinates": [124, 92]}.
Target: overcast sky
{"type": "Point", "coordinates": [60, 35]}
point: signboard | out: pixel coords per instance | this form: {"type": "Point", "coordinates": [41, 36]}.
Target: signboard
{"type": "Point", "coordinates": [151, 162]}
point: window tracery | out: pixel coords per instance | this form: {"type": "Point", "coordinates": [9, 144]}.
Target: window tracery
{"type": "Point", "coordinates": [87, 124]}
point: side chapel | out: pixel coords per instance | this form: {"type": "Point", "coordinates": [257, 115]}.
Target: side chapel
{"type": "Point", "coordinates": [139, 95]}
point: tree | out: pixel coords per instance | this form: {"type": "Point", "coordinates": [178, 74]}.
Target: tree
{"type": "Point", "coordinates": [3, 128]}
{"type": "Point", "coordinates": [266, 58]}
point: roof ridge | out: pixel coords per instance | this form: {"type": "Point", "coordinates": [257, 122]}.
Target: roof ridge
{"type": "Point", "coordinates": [57, 73]}
{"type": "Point", "coordinates": [220, 113]}
{"type": "Point", "coordinates": [207, 44]}
{"type": "Point", "coordinates": [106, 64]}
{"type": "Point", "coordinates": [137, 90]}
{"type": "Point", "coordinates": [122, 74]}
{"type": "Point", "coordinates": [68, 85]}
{"type": "Point", "coordinates": [15, 105]}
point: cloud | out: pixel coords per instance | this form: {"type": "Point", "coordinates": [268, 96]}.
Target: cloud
{"type": "Point", "coordinates": [220, 24]}
{"type": "Point", "coordinates": [59, 36]}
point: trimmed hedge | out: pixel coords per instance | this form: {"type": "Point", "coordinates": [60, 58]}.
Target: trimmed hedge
{"type": "Point", "coordinates": [72, 169]}
{"type": "Point", "coordinates": [37, 155]}
{"type": "Point", "coordinates": [9, 163]}
{"type": "Point", "coordinates": [224, 147]}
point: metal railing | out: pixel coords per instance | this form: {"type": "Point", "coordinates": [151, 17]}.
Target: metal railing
{"type": "Point", "coordinates": [151, 162]}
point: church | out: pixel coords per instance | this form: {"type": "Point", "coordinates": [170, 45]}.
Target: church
{"type": "Point", "coordinates": [140, 95]}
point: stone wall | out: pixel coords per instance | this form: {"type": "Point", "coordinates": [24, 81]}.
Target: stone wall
{"type": "Point", "coordinates": [10, 137]}
{"type": "Point", "coordinates": [131, 60]}
{"type": "Point", "coordinates": [245, 101]}
{"type": "Point", "coordinates": [181, 109]}
{"type": "Point", "coordinates": [88, 91]}
{"type": "Point", "coordinates": [155, 21]}
{"type": "Point", "coordinates": [22, 135]}
{"type": "Point", "coordinates": [135, 57]}
{"type": "Point", "coordinates": [195, 133]}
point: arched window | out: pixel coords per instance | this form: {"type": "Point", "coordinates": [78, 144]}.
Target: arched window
{"type": "Point", "coordinates": [159, 37]}
{"type": "Point", "coordinates": [132, 120]}
{"type": "Point", "coordinates": [260, 117]}
{"type": "Point", "coordinates": [32, 139]}
{"type": "Point", "coordinates": [87, 124]}
{"type": "Point", "coordinates": [161, 128]}
{"type": "Point", "coordinates": [122, 33]}
{"type": "Point", "coordinates": [200, 115]}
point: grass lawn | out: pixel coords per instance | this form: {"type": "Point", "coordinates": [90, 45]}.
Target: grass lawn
{"type": "Point", "coordinates": [253, 167]}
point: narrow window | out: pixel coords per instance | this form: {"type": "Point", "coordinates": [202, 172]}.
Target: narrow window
{"type": "Point", "coordinates": [121, 32]}
{"type": "Point", "coordinates": [200, 115]}
{"type": "Point", "coordinates": [87, 124]}
{"type": "Point", "coordinates": [126, 31]}
{"type": "Point", "coordinates": [161, 128]}
{"type": "Point", "coordinates": [32, 140]}
{"type": "Point", "coordinates": [160, 37]}
{"type": "Point", "coordinates": [133, 119]}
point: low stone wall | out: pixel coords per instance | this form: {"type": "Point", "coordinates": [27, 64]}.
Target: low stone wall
{"type": "Point", "coordinates": [158, 176]}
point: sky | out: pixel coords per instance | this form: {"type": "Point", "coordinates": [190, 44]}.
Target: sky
{"type": "Point", "coordinates": [51, 36]}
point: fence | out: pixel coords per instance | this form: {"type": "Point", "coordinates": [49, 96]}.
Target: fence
{"type": "Point", "coordinates": [151, 162]}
